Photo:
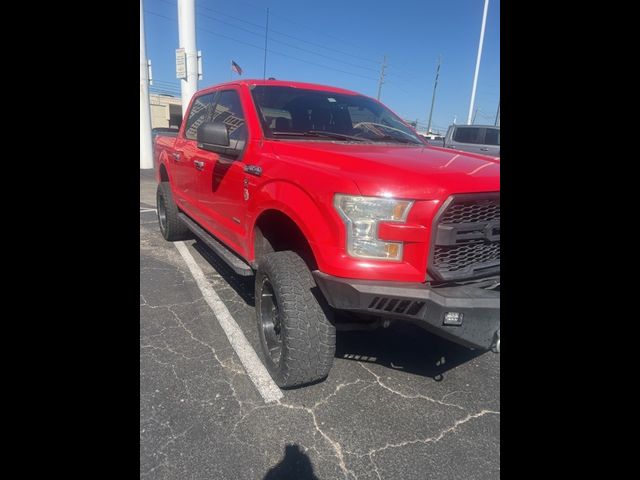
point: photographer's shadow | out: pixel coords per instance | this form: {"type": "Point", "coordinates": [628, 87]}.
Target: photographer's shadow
{"type": "Point", "coordinates": [296, 465]}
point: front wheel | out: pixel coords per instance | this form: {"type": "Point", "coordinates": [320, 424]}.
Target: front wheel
{"type": "Point", "coordinates": [297, 337]}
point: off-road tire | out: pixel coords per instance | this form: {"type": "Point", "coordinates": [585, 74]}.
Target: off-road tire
{"type": "Point", "coordinates": [172, 228]}
{"type": "Point", "coordinates": [307, 336]}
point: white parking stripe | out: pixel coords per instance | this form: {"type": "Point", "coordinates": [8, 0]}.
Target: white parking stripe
{"type": "Point", "coordinates": [248, 357]}
{"type": "Point", "coordinates": [144, 210]}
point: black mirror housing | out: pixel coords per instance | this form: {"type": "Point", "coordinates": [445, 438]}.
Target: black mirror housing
{"type": "Point", "coordinates": [210, 133]}
{"type": "Point", "coordinates": [215, 138]}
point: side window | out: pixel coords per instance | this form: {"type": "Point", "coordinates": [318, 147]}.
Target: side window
{"type": "Point", "coordinates": [468, 135]}
{"type": "Point", "coordinates": [200, 112]}
{"type": "Point", "coordinates": [228, 111]}
{"type": "Point", "coordinates": [492, 137]}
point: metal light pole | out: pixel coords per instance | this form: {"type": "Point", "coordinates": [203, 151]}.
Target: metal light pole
{"type": "Point", "coordinates": [187, 39]}
{"type": "Point", "coordinates": [475, 75]}
{"type": "Point", "coordinates": [497, 114]}
{"type": "Point", "coordinates": [146, 154]}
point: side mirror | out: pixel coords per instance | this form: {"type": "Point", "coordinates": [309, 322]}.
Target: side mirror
{"type": "Point", "coordinates": [215, 138]}
{"type": "Point", "coordinates": [212, 134]}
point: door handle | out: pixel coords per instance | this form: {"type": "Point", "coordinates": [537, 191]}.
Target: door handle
{"type": "Point", "coordinates": [176, 156]}
{"type": "Point", "coordinates": [199, 165]}
{"type": "Point", "coordinates": [253, 170]}
{"type": "Point", "coordinates": [484, 149]}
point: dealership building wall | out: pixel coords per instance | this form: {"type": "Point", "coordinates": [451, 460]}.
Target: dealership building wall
{"type": "Point", "coordinates": [166, 111]}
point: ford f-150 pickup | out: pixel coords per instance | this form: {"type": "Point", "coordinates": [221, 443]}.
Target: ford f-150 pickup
{"type": "Point", "coordinates": [341, 212]}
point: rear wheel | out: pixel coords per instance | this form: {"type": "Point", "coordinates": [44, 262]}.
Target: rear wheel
{"type": "Point", "coordinates": [296, 334]}
{"type": "Point", "coordinates": [171, 227]}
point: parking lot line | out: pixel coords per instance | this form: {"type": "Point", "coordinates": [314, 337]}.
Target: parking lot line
{"type": "Point", "coordinates": [247, 355]}
{"type": "Point", "coordinates": [144, 210]}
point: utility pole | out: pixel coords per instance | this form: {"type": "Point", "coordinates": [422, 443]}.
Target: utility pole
{"type": "Point", "coordinates": [187, 39]}
{"type": "Point", "coordinates": [497, 114]}
{"type": "Point", "coordinates": [474, 116]}
{"type": "Point", "coordinates": [433, 99]}
{"type": "Point", "coordinates": [475, 75]}
{"type": "Point", "coordinates": [146, 154]}
{"type": "Point", "coordinates": [381, 81]}
{"type": "Point", "coordinates": [266, 36]}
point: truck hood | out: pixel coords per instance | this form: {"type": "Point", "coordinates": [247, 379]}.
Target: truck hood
{"type": "Point", "coordinates": [400, 171]}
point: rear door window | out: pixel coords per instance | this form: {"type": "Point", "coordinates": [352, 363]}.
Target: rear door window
{"type": "Point", "coordinates": [469, 135]}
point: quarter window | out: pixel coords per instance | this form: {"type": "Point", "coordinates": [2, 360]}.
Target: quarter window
{"type": "Point", "coordinates": [492, 137]}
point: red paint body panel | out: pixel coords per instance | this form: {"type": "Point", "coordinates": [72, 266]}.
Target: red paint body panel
{"type": "Point", "coordinates": [300, 178]}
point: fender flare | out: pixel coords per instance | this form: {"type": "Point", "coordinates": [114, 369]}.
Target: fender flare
{"type": "Point", "coordinates": [162, 161]}
{"type": "Point", "coordinates": [292, 201]}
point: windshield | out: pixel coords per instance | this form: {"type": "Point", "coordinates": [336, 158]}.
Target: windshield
{"type": "Point", "coordinates": [311, 114]}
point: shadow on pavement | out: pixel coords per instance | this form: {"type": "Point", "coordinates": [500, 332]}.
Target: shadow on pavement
{"type": "Point", "coordinates": [242, 285]}
{"type": "Point", "coordinates": [295, 465]}
{"type": "Point", "coordinates": [402, 346]}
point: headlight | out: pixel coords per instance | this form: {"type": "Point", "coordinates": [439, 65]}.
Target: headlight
{"type": "Point", "coordinates": [361, 216]}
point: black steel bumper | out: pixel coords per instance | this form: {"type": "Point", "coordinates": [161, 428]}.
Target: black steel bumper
{"type": "Point", "coordinates": [422, 305]}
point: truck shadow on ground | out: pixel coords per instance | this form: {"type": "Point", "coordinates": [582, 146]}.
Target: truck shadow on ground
{"type": "Point", "coordinates": [402, 346]}
{"type": "Point", "coordinates": [243, 286]}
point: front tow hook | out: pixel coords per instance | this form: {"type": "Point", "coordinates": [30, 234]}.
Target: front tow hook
{"type": "Point", "coordinates": [496, 344]}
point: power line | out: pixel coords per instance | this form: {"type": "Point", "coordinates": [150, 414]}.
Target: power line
{"type": "Point", "coordinates": [262, 48]}
{"type": "Point", "coordinates": [309, 27]}
{"type": "Point", "coordinates": [288, 35]}
{"type": "Point", "coordinates": [402, 78]}
{"type": "Point", "coordinates": [261, 35]}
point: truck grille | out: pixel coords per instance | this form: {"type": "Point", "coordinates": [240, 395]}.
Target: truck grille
{"type": "Point", "coordinates": [466, 238]}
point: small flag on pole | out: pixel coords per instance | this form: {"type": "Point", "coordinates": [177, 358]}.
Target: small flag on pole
{"type": "Point", "coordinates": [236, 68]}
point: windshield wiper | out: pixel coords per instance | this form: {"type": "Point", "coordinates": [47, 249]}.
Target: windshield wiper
{"type": "Point", "coordinates": [387, 138]}
{"type": "Point", "coordinates": [322, 133]}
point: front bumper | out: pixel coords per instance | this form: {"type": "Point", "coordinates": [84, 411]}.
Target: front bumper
{"type": "Point", "coordinates": [420, 304]}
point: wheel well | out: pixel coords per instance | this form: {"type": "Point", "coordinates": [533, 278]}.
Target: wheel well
{"type": "Point", "coordinates": [276, 232]}
{"type": "Point", "coordinates": [164, 176]}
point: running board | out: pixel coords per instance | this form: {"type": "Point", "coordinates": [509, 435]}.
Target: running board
{"type": "Point", "coordinates": [235, 263]}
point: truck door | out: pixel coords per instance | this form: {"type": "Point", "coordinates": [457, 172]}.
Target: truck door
{"type": "Point", "coordinates": [221, 177]}
{"type": "Point", "coordinates": [491, 142]}
{"type": "Point", "coordinates": [476, 139]}
{"type": "Point", "coordinates": [467, 138]}
{"type": "Point", "coordinates": [185, 175]}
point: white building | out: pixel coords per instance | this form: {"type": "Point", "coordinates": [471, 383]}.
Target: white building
{"type": "Point", "coordinates": [166, 110]}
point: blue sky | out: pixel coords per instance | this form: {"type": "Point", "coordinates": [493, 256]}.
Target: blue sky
{"type": "Point", "coordinates": [342, 43]}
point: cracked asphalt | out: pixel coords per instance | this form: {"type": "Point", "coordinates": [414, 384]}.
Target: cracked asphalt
{"type": "Point", "coordinates": [399, 403]}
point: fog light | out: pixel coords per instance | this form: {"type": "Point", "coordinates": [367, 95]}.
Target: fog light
{"type": "Point", "coordinates": [453, 318]}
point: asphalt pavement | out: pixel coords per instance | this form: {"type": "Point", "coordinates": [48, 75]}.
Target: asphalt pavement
{"type": "Point", "coordinates": [399, 403]}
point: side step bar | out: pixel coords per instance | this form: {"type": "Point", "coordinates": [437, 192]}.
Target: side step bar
{"type": "Point", "coordinates": [235, 263]}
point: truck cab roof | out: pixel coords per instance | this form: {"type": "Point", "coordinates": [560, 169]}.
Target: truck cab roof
{"type": "Point", "coordinates": [281, 83]}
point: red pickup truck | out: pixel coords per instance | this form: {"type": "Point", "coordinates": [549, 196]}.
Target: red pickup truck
{"type": "Point", "coordinates": [341, 211]}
